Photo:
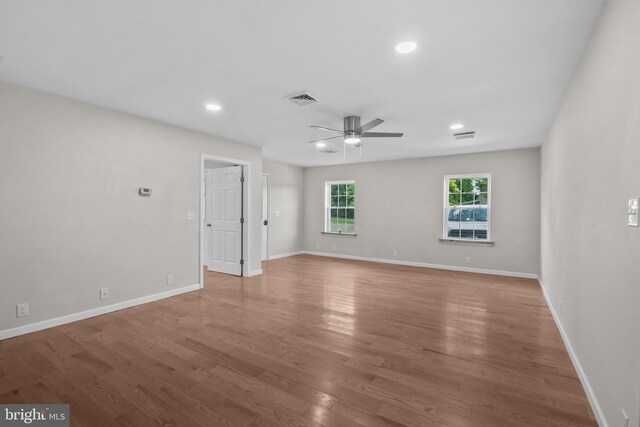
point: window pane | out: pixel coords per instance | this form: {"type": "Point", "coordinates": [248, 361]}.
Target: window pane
{"type": "Point", "coordinates": [333, 221]}
{"type": "Point", "coordinates": [453, 222]}
{"type": "Point", "coordinates": [467, 198]}
{"type": "Point", "coordinates": [343, 189]}
{"type": "Point", "coordinates": [334, 190]}
{"type": "Point", "coordinates": [349, 221]}
{"type": "Point", "coordinates": [481, 199]}
{"type": "Point", "coordinates": [454, 199]}
{"type": "Point", "coordinates": [351, 191]}
{"type": "Point", "coordinates": [467, 185]}
{"type": "Point", "coordinates": [334, 201]}
{"type": "Point", "coordinates": [454, 186]}
{"type": "Point", "coordinates": [342, 201]}
{"type": "Point", "coordinates": [482, 185]}
{"type": "Point", "coordinates": [480, 215]}
{"type": "Point", "coordinates": [341, 219]}
{"type": "Point", "coordinates": [350, 201]}
{"type": "Point", "coordinates": [480, 234]}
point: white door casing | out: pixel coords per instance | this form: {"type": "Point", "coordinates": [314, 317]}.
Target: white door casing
{"type": "Point", "coordinates": [265, 217]}
{"type": "Point", "coordinates": [223, 213]}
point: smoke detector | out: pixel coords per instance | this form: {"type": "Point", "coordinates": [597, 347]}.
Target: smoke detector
{"type": "Point", "coordinates": [302, 98]}
{"type": "Point", "coordinates": [464, 135]}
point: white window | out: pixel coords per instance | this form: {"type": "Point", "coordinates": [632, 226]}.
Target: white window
{"type": "Point", "coordinates": [340, 201]}
{"type": "Point", "coordinates": [467, 207]}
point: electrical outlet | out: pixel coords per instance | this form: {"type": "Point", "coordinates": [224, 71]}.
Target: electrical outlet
{"type": "Point", "coordinates": [468, 260]}
{"type": "Point", "coordinates": [335, 247]}
{"type": "Point", "coordinates": [317, 245]}
{"type": "Point", "coordinates": [395, 252]}
{"type": "Point", "coordinates": [625, 418]}
{"type": "Point", "coordinates": [22, 310]}
{"type": "Point", "coordinates": [104, 293]}
{"type": "Point", "coordinates": [170, 279]}
{"type": "Point", "coordinates": [191, 216]}
{"type": "Point", "coordinates": [286, 246]}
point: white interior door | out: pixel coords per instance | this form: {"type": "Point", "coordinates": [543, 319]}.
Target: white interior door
{"type": "Point", "coordinates": [223, 213]}
{"type": "Point", "coordinates": [265, 217]}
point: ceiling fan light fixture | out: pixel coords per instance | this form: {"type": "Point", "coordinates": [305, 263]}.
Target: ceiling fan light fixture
{"type": "Point", "coordinates": [321, 144]}
{"type": "Point", "coordinates": [352, 139]}
{"type": "Point", "coordinates": [406, 47]}
{"type": "Point", "coordinates": [456, 126]}
{"type": "Point", "coordinates": [213, 107]}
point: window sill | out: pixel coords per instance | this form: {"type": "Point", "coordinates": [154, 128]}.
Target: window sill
{"type": "Point", "coordinates": [472, 241]}
{"type": "Point", "coordinates": [330, 233]}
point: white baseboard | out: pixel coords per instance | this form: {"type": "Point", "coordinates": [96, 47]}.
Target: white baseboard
{"type": "Point", "coordinates": [45, 324]}
{"type": "Point", "coordinates": [595, 405]}
{"type": "Point", "coordinates": [288, 254]}
{"type": "Point", "coordinates": [253, 273]}
{"type": "Point", "coordinates": [427, 265]}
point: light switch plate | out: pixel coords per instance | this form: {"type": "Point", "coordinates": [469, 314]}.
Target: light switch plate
{"type": "Point", "coordinates": [277, 213]}
{"type": "Point", "coordinates": [632, 213]}
{"type": "Point", "coordinates": [191, 216]}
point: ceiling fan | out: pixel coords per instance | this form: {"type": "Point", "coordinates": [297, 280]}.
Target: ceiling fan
{"type": "Point", "coordinates": [354, 132]}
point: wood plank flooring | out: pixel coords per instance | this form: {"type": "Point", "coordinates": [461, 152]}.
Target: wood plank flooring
{"type": "Point", "coordinates": [312, 342]}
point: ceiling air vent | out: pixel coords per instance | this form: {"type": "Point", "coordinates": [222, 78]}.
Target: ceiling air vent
{"type": "Point", "coordinates": [303, 98]}
{"type": "Point", "coordinates": [464, 135]}
{"type": "Point", "coordinates": [328, 151]}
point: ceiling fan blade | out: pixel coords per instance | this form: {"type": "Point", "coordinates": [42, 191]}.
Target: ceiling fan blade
{"type": "Point", "coordinates": [324, 139]}
{"type": "Point", "coordinates": [329, 129]}
{"type": "Point", "coordinates": [373, 123]}
{"type": "Point", "coordinates": [381, 135]}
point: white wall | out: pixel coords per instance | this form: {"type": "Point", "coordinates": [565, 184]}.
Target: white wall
{"type": "Point", "coordinates": [286, 187]}
{"type": "Point", "coordinates": [399, 205]}
{"type": "Point", "coordinates": [72, 220]}
{"type": "Point", "coordinates": [590, 167]}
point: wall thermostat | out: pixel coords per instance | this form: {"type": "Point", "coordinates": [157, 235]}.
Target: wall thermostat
{"type": "Point", "coordinates": [144, 191]}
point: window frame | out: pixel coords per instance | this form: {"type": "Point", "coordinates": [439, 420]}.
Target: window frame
{"type": "Point", "coordinates": [445, 207]}
{"type": "Point", "coordinates": [328, 207]}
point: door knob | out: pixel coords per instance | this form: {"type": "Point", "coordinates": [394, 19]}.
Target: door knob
{"type": "Point", "coordinates": [265, 222]}
{"type": "Point", "coordinates": [208, 225]}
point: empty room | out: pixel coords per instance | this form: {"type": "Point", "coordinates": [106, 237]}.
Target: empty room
{"type": "Point", "coordinates": [320, 213]}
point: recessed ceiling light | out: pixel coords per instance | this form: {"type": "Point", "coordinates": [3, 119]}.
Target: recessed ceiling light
{"type": "Point", "coordinates": [321, 145]}
{"type": "Point", "coordinates": [456, 126]}
{"type": "Point", "coordinates": [352, 139]}
{"type": "Point", "coordinates": [406, 47]}
{"type": "Point", "coordinates": [213, 107]}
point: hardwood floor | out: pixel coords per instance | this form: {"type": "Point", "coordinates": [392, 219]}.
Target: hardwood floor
{"type": "Point", "coordinates": [313, 341]}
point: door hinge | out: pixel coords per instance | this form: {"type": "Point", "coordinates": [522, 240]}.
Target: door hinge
{"type": "Point", "coordinates": [241, 220]}
{"type": "Point", "coordinates": [242, 179]}
{"type": "Point", "coordinates": [241, 262]}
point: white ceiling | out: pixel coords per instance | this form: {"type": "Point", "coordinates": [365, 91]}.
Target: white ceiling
{"type": "Point", "coordinates": [499, 66]}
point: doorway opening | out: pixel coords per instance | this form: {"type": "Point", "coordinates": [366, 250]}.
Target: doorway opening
{"type": "Point", "coordinates": [265, 217]}
{"type": "Point", "coordinates": [224, 214]}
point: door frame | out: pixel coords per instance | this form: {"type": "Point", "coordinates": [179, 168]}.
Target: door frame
{"type": "Point", "coordinates": [246, 210]}
{"type": "Point", "coordinates": [266, 175]}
